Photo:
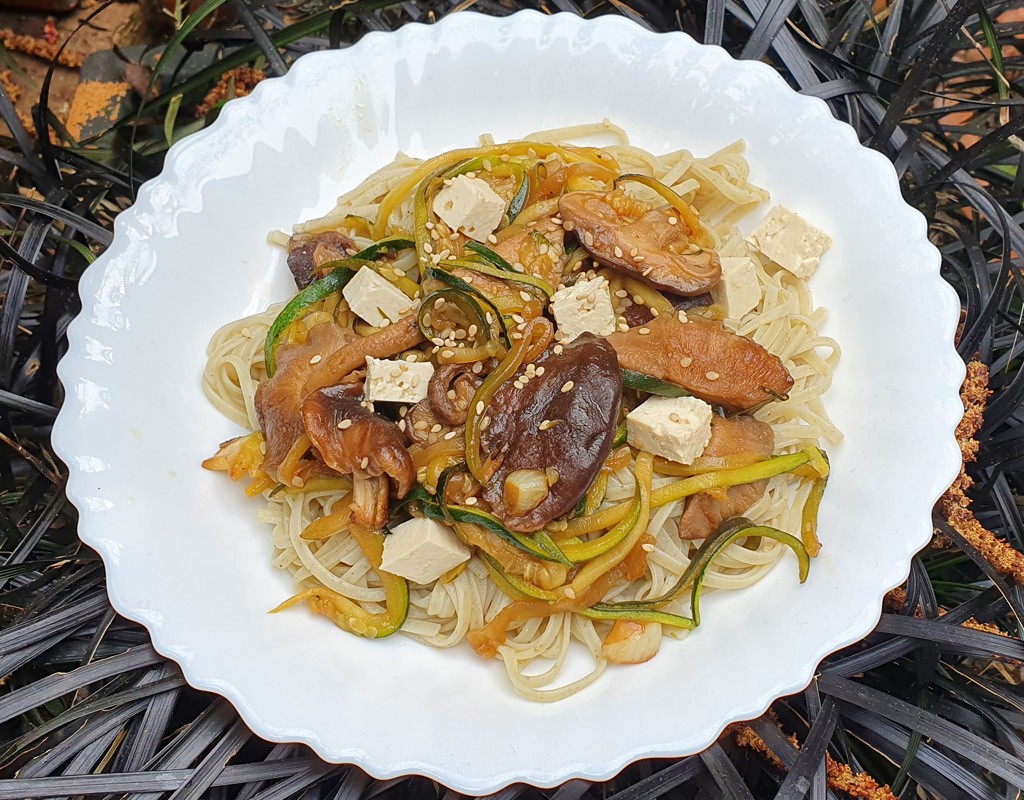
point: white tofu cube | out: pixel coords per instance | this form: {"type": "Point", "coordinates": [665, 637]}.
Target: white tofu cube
{"type": "Point", "coordinates": [471, 206]}
{"type": "Point", "coordinates": [790, 241]}
{"type": "Point", "coordinates": [584, 307]}
{"type": "Point", "coordinates": [396, 381]}
{"type": "Point", "coordinates": [375, 299]}
{"type": "Point", "coordinates": [676, 428]}
{"type": "Point", "coordinates": [422, 550]}
{"type": "Point", "coordinates": [738, 291]}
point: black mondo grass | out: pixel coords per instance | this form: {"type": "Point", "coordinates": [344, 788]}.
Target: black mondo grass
{"type": "Point", "coordinates": [931, 704]}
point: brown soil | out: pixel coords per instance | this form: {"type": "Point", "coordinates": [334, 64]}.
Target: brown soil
{"type": "Point", "coordinates": [122, 24]}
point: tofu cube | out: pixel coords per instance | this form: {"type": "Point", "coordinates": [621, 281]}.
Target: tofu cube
{"type": "Point", "coordinates": [738, 291]}
{"type": "Point", "coordinates": [375, 299]}
{"type": "Point", "coordinates": [471, 206]}
{"type": "Point", "coordinates": [676, 428]}
{"type": "Point", "coordinates": [790, 241]}
{"type": "Point", "coordinates": [584, 307]}
{"type": "Point", "coordinates": [396, 381]}
{"type": "Point", "coordinates": [422, 550]}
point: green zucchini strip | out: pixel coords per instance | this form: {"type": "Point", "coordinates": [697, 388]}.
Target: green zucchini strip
{"type": "Point", "coordinates": [651, 385]}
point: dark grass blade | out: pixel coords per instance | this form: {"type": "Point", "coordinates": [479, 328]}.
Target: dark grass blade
{"type": "Point", "coordinates": [894, 81]}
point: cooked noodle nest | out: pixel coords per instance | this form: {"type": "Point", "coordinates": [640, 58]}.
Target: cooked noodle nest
{"type": "Point", "coordinates": [785, 323]}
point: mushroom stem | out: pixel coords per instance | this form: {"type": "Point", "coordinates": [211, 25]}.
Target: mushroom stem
{"type": "Point", "coordinates": [369, 507]}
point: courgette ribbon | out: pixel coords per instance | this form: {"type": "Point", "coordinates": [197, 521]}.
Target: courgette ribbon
{"type": "Point", "coordinates": [686, 211]}
{"type": "Point", "coordinates": [694, 574]}
{"type": "Point", "coordinates": [651, 385]}
{"type": "Point", "coordinates": [348, 614]}
{"type": "Point", "coordinates": [341, 272]}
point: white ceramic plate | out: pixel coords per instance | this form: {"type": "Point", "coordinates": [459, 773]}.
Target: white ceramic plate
{"type": "Point", "coordinates": [184, 554]}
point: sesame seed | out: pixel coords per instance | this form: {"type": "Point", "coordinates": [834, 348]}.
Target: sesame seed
{"type": "Point", "coordinates": [478, 368]}
{"type": "Point", "coordinates": [518, 383]}
{"type": "Point", "coordinates": [638, 300]}
{"type": "Point", "coordinates": [516, 335]}
{"type": "Point", "coordinates": [316, 359]}
{"type": "Point", "coordinates": [401, 424]}
{"type": "Point", "coordinates": [420, 425]}
{"type": "Point", "coordinates": [621, 293]}
{"type": "Point", "coordinates": [647, 271]}
{"type": "Point", "coordinates": [568, 225]}
{"type": "Point", "coordinates": [691, 249]}
{"type": "Point", "coordinates": [471, 501]}
{"type": "Point", "coordinates": [634, 252]}
{"type": "Point", "coordinates": [570, 593]}
{"type": "Point", "coordinates": [675, 417]}
{"type": "Point", "coordinates": [540, 371]}
{"type": "Point", "coordinates": [451, 434]}
{"type": "Point", "coordinates": [639, 258]}
{"type": "Point", "coordinates": [472, 330]}
{"type": "Point", "coordinates": [447, 353]}
{"type": "Point", "coordinates": [644, 331]}
{"type": "Point", "coordinates": [526, 296]}
{"type": "Point", "coordinates": [682, 316]}
{"type": "Point", "coordinates": [415, 380]}
{"type": "Point", "coordinates": [450, 394]}
{"type": "Point", "coordinates": [647, 547]}
{"type": "Point", "coordinates": [517, 267]}
{"type": "Point", "coordinates": [479, 406]}
{"type": "Point", "coordinates": [654, 311]}
{"type": "Point", "coordinates": [438, 341]}
{"type": "Point", "coordinates": [505, 156]}
{"type": "Point", "coordinates": [712, 376]}
{"type": "Point", "coordinates": [548, 424]}
{"type": "Point", "coordinates": [439, 302]}
{"type": "Point", "coordinates": [429, 226]}
{"type": "Point", "coordinates": [623, 327]}
{"type": "Point", "coordinates": [672, 221]}
{"type": "Point", "coordinates": [365, 462]}
{"type": "Point", "coordinates": [435, 428]}
{"type": "Point", "coordinates": [428, 247]}
{"type": "Point", "coordinates": [426, 319]}
{"type": "Point", "coordinates": [686, 361]}
{"type": "Point", "coordinates": [558, 349]}
{"type": "Point", "coordinates": [567, 387]}
{"type": "Point", "coordinates": [344, 424]}
{"type": "Point", "coordinates": [484, 423]}
{"type": "Point", "coordinates": [588, 238]}
{"type": "Point", "coordinates": [618, 251]}
{"type": "Point", "coordinates": [297, 482]}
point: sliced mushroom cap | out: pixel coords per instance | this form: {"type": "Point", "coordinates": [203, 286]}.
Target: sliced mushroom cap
{"type": "Point", "coordinates": [557, 429]}
{"type": "Point", "coordinates": [733, 437]}
{"type": "Point", "coordinates": [705, 358]}
{"type": "Point", "coordinates": [279, 399]}
{"type": "Point", "coordinates": [623, 234]}
{"type": "Point", "coordinates": [308, 252]}
{"type": "Point", "coordinates": [353, 441]}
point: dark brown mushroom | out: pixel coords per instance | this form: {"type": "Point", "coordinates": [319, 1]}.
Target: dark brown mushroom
{"type": "Point", "coordinates": [550, 437]}
{"type": "Point", "coordinates": [739, 439]}
{"type": "Point", "coordinates": [353, 441]}
{"type": "Point", "coordinates": [308, 252]}
{"type": "Point", "coordinates": [706, 359]}
{"type": "Point", "coordinates": [624, 234]}
{"type": "Point", "coordinates": [451, 391]}
{"type": "Point", "coordinates": [278, 400]}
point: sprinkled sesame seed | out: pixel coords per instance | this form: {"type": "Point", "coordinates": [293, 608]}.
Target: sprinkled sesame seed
{"type": "Point", "coordinates": [647, 547]}
{"type": "Point", "coordinates": [638, 300]}
{"type": "Point", "coordinates": [558, 349]}
{"type": "Point", "coordinates": [428, 247]}
{"type": "Point", "coordinates": [492, 238]}
{"type": "Point", "coordinates": [447, 353]}
{"type": "Point", "coordinates": [647, 271]}
{"type": "Point", "coordinates": [472, 330]}
{"type": "Point", "coordinates": [344, 424]}
{"type": "Point", "coordinates": [297, 482]}
{"type": "Point", "coordinates": [246, 333]}
{"type": "Point", "coordinates": [634, 252]}
{"type": "Point", "coordinates": [484, 423]}
{"type": "Point", "coordinates": [479, 406]}
{"type": "Point", "coordinates": [420, 425]}
{"type": "Point", "coordinates": [567, 387]}
{"type": "Point", "coordinates": [675, 417]}
{"type": "Point", "coordinates": [478, 368]}
{"type": "Point", "coordinates": [439, 302]}
{"type": "Point", "coordinates": [401, 424]}
{"type": "Point", "coordinates": [686, 361]}
{"type": "Point", "coordinates": [621, 293]}
{"type": "Point", "coordinates": [654, 311]}
{"type": "Point", "coordinates": [365, 462]}
{"type": "Point", "coordinates": [316, 359]}
{"type": "Point", "coordinates": [712, 376]}
{"type": "Point", "coordinates": [415, 380]}
{"type": "Point", "coordinates": [618, 251]}
{"type": "Point", "coordinates": [570, 593]}
{"type": "Point", "coordinates": [451, 434]}
{"type": "Point", "coordinates": [681, 316]}
{"type": "Point", "coordinates": [516, 335]}
{"type": "Point", "coordinates": [672, 221]}
{"type": "Point", "coordinates": [588, 238]}
{"type": "Point", "coordinates": [568, 225]}
{"type": "Point", "coordinates": [430, 226]}
{"type": "Point", "coordinates": [623, 327]}
{"type": "Point", "coordinates": [644, 331]}
{"type": "Point", "coordinates": [435, 428]}
{"type": "Point", "coordinates": [526, 296]}
{"type": "Point", "coordinates": [471, 501]}
{"type": "Point", "coordinates": [540, 371]}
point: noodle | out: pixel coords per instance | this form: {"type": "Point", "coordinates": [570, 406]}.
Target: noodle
{"type": "Point", "coordinates": [786, 323]}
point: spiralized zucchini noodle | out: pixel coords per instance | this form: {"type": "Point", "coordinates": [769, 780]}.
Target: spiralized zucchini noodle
{"type": "Point", "coordinates": [604, 542]}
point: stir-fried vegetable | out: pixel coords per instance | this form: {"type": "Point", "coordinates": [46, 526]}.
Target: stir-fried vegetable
{"type": "Point", "coordinates": [515, 435]}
